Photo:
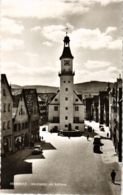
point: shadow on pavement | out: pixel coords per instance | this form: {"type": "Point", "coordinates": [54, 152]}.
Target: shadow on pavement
{"type": "Point", "coordinates": [39, 156]}
{"type": "Point", "coordinates": [47, 146]}
{"type": "Point", "coordinates": [15, 164]}
{"type": "Point", "coordinates": [7, 174]}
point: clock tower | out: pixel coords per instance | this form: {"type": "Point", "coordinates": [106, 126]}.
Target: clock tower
{"type": "Point", "coordinates": [66, 109]}
{"type": "Point", "coordinates": [66, 86]}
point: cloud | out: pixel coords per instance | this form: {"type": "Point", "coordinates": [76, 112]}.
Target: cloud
{"type": "Point", "coordinates": [47, 43]}
{"type": "Point", "coordinates": [10, 26]}
{"type": "Point", "coordinates": [108, 74]}
{"type": "Point", "coordinates": [95, 39]}
{"type": "Point", "coordinates": [25, 74]}
{"type": "Point", "coordinates": [94, 65]}
{"type": "Point", "coordinates": [54, 33]}
{"type": "Point", "coordinates": [36, 28]}
{"type": "Point", "coordinates": [106, 2]}
{"type": "Point", "coordinates": [40, 9]}
{"type": "Point", "coordinates": [48, 8]}
{"type": "Point", "coordinates": [11, 44]}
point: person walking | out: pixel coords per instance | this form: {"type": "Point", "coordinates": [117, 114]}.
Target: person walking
{"type": "Point", "coordinates": [113, 175]}
{"type": "Point", "coordinates": [87, 137]}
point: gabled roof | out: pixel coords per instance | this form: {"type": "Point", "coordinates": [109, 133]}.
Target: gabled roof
{"type": "Point", "coordinates": [30, 96]}
{"type": "Point", "coordinates": [77, 96]}
{"type": "Point", "coordinates": [54, 97]}
{"type": "Point", "coordinates": [4, 80]}
{"type": "Point", "coordinates": [16, 99]}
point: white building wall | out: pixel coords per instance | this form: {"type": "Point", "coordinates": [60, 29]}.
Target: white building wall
{"type": "Point", "coordinates": [66, 82]}
{"type": "Point", "coordinates": [52, 113]}
{"type": "Point", "coordinates": [80, 113]}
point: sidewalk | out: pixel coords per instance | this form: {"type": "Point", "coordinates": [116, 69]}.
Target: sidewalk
{"type": "Point", "coordinates": [109, 157]}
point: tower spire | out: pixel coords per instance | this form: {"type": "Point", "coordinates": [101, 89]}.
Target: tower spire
{"type": "Point", "coordinates": [66, 50]}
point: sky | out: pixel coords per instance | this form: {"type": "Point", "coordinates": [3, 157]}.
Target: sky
{"type": "Point", "coordinates": [32, 33]}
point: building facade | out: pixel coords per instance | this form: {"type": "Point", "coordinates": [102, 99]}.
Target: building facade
{"type": "Point", "coordinates": [42, 110]}
{"type": "Point", "coordinates": [66, 110]}
{"type": "Point", "coordinates": [20, 122]}
{"type": "Point", "coordinates": [31, 100]}
{"type": "Point", "coordinates": [6, 116]}
{"type": "Point", "coordinates": [115, 116]}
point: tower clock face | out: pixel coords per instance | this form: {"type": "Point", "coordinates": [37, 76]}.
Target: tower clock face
{"type": "Point", "coordinates": [66, 62]}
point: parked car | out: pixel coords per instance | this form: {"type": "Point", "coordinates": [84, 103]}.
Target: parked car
{"type": "Point", "coordinates": [97, 140]}
{"type": "Point", "coordinates": [90, 129]}
{"type": "Point", "coordinates": [54, 129]}
{"type": "Point", "coordinates": [102, 129]}
{"type": "Point", "coordinates": [85, 127]}
{"type": "Point", "coordinates": [37, 149]}
{"type": "Point", "coordinates": [44, 129]}
{"type": "Point", "coordinates": [97, 143]}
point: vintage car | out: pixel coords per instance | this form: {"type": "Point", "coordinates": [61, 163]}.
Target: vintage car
{"type": "Point", "coordinates": [37, 149]}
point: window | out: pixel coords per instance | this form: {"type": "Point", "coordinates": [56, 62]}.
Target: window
{"type": "Point", "coordinates": [9, 106]}
{"type": "Point", "coordinates": [15, 127]}
{"type": "Point", "coordinates": [4, 107]}
{"type": "Point", "coordinates": [66, 117]}
{"type": "Point", "coordinates": [66, 108]}
{"type": "Point", "coordinates": [23, 125]}
{"type": "Point", "coordinates": [8, 125]}
{"type": "Point", "coordinates": [76, 108]}
{"type": "Point", "coordinates": [66, 89]}
{"type": "Point", "coordinates": [76, 119]}
{"type": "Point", "coordinates": [64, 81]}
{"type": "Point", "coordinates": [56, 108]}
{"type": "Point", "coordinates": [68, 81]}
{"type": "Point", "coordinates": [19, 126]}
{"type": "Point", "coordinates": [56, 119]}
{"type": "Point", "coordinates": [26, 125]}
{"type": "Point", "coordinates": [76, 100]}
{"type": "Point", "coordinates": [66, 98]}
{"type": "Point", "coordinates": [77, 127]}
{"type": "Point", "coordinates": [66, 125]}
{"type": "Point", "coordinates": [4, 125]}
{"type": "Point", "coordinates": [56, 100]}
{"type": "Point", "coordinates": [4, 92]}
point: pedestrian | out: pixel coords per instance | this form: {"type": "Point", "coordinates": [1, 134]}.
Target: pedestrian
{"type": "Point", "coordinates": [87, 137]}
{"type": "Point", "coordinates": [113, 175]}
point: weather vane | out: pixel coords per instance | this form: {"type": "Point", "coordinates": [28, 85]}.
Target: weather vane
{"type": "Point", "coordinates": [67, 30]}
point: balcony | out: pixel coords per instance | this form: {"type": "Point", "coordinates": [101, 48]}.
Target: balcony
{"type": "Point", "coordinates": [66, 73]}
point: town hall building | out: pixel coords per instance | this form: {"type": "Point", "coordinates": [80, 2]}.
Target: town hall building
{"type": "Point", "coordinates": [66, 110]}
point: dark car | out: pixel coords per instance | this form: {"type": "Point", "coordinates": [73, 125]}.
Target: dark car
{"type": "Point", "coordinates": [37, 149]}
{"type": "Point", "coordinates": [97, 141]}
{"type": "Point", "coordinates": [43, 129]}
{"type": "Point", "coordinates": [102, 129]}
{"type": "Point", "coordinates": [97, 144]}
{"type": "Point", "coordinates": [90, 129]}
{"type": "Point", "coordinates": [54, 130]}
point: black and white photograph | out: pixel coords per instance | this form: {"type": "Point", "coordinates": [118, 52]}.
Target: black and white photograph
{"type": "Point", "coordinates": [61, 97]}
